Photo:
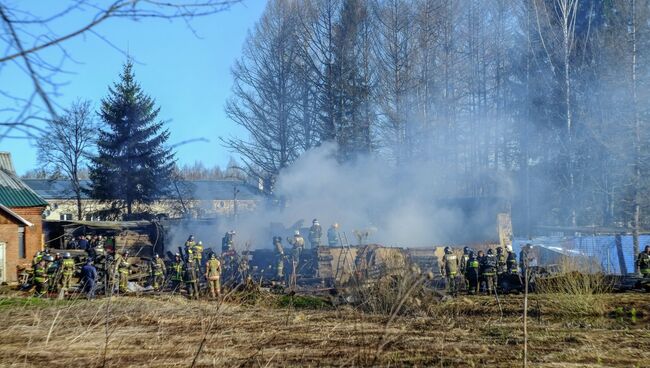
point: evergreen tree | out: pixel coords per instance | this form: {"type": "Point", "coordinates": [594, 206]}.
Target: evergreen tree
{"type": "Point", "coordinates": [133, 164]}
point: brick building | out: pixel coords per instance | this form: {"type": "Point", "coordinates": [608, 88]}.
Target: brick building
{"type": "Point", "coordinates": [21, 224]}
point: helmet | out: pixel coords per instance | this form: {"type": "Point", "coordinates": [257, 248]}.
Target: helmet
{"type": "Point", "coordinates": [125, 253]}
{"type": "Point", "coordinates": [296, 233]}
{"type": "Point", "coordinates": [213, 256]}
{"type": "Point", "coordinates": [490, 251]}
{"type": "Point", "coordinates": [200, 242]}
{"type": "Point", "coordinates": [447, 250]}
{"type": "Point", "coordinates": [499, 250]}
{"type": "Point", "coordinates": [466, 250]}
{"type": "Point", "coordinates": [177, 255]}
{"type": "Point", "coordinates": [156, 255]}
{"type": "Point", "coordinates": [471, 253]}
{"type": "Point", "coordinates": [48, 258]}
{"type": "Point", "coordinates": [315, 221]}
{"type": "Point", "coordinates": [66, 255]}
{"type": "Point", "coordinates": [191, 237]}
{"type": "Point", "coordinates": [336, 225]}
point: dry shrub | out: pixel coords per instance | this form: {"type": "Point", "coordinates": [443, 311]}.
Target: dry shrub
{"type": "Point", "coordinates": [399, 294]}
{"type": "Point", "coordinates": [576, 290]}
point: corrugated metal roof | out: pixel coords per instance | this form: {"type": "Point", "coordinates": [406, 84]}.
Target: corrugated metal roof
{"type": "Point", "coordinates": [190, 189]}
{"type": "Point", "coordinates": [13, 192]}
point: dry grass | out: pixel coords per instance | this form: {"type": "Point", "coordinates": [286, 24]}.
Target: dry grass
{"type": "Point", "coordinates": [169, 331]}
{"type": "Point", "coordinates": [577, 291]}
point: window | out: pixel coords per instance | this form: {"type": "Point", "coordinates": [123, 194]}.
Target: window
{"type": "Point", "coordinates": [22, 251]}
{"type": "Point", "coordinates": [65, 217]}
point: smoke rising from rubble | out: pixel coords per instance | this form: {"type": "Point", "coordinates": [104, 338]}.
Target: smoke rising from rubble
{"type": "Point", "coordinates": [407, 206]}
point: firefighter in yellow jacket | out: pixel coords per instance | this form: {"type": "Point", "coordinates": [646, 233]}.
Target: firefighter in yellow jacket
{"type": "Point", "coordinates": [213, 275]}
{"type": "Point", "coordinates": [67, 268]}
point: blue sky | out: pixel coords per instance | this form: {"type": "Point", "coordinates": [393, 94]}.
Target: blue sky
{"type": "Point", "coordinates": [188, 75]}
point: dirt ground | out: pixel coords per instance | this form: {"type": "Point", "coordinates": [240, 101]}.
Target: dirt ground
{"type": "Point", "coordinates": [164, 331]}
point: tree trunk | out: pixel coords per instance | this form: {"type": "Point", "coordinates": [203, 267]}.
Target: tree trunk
{"type": "Point", "coordinates": [637, 139]}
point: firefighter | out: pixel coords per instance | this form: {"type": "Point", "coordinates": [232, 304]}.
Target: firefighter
{"type": "Point", "coordinates": [67, 271]}
{"type": "Point", "coordinates": [177, 273]}
{"type": "Point", "coordinates": [279, 258]}
{"type": "Point", "coordinates": [525, 259]}
{"type": "Point", "coordinates": [315, 233]}
{"type": "Point", "coordinates": [158, 271]}
{"type": "Point", "coordinates": [37, 258]}
{"type": "Point", "coordinates": [450, 269]}
{"type": "Point", "coordinates": [489, 271]}
{"type": "Point", "coordinates": [512, 263]}
{"type": "Point", "coordinates": [333, 235]}
{"type": "Point", "coordinates": [54, 273]}
{"type": "Point", "coordinates": [228, 241]}
{"type": "Point", "coordinates": [472, 274]}
{"type": "Point", "coordinates": [197, 253]}
{"type": "Point", "coordinates": [463, 266]}
{"type": "Point", "coordinates": [189, 243]}
{"type": "Point", "coordinates": [40, 277]}
{"type": "Point", "coordinates": [123, 268]}
{"type": "Point", "coordinates": [88, 278]}
{"type": "Point", "coordinates": [298, 244]}
{"type": "Point", "coordinates": [191, 282]}
{"type": "Point", "coordinates": [213, 275]}
{"type": "Point", "coordinates": [502, 268]}
{"type": "Point", "coordinates": [643, 262]}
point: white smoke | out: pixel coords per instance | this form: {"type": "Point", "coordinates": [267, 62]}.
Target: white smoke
{"type": "Point", "coordinates": [407, 206]}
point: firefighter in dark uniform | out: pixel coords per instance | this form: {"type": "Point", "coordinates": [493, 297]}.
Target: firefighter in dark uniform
{"type": "Point", "coordinates": [315, 233]}
{"type": "Point", "coordinates": [177, 273]}
{"type": "Point", "coordinates": [450, 269]}
{"type": "Point", "coordinates": [191, 281]}
{"type": "Point", "coordinates": [512, 263]}
{"type": "Point", "coordinates": [472, 274]}
{"type": "Point", "coordinates": [228, 241]}
{"type": "Point", "coordinates": [489, 271]}
{"type": "Point", "coordinates": [643, 262]}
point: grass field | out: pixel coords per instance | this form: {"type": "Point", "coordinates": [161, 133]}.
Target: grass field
{"type": "Point", "coordinates": [269, 330]}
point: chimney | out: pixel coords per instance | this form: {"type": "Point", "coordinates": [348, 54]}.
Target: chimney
{"type": "Point", "coordinates": [5, 163]}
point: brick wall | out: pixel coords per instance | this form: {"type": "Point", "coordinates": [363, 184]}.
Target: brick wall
{"type": "Point", "coordinates": [33, 238]}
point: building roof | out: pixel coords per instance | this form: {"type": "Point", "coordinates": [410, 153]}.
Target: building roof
{"type": "Point", "coordinates": [15, 216]}
{"type": "Point", "coordinates": [13, 191]}
{"type": "Point", "coordinates": [189, 189]}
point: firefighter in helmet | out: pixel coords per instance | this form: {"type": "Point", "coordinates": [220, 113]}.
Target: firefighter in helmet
{"type": "Point", "coordinates": [315, 233]}
{"type": "Point", "coordinates": [213, 275]}
{"type": "Point", "coordinates": [450, 269]}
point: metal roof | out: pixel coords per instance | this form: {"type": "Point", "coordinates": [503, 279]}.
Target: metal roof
{"type": "Point", "coordinates": [189, 189]}
{"type": "Point", "coordinates": [13, 192]}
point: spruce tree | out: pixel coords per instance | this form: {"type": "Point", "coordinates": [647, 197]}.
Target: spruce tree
{"type": "Point", "coordinates": [133, 164]}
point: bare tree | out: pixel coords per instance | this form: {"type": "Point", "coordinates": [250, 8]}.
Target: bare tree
{"type": "Point", "coordinates": [36, 47]}
{"type": "Point", "coordinates": [266, 93]}
{"type": "Point", "coordinates": [67, 146]}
